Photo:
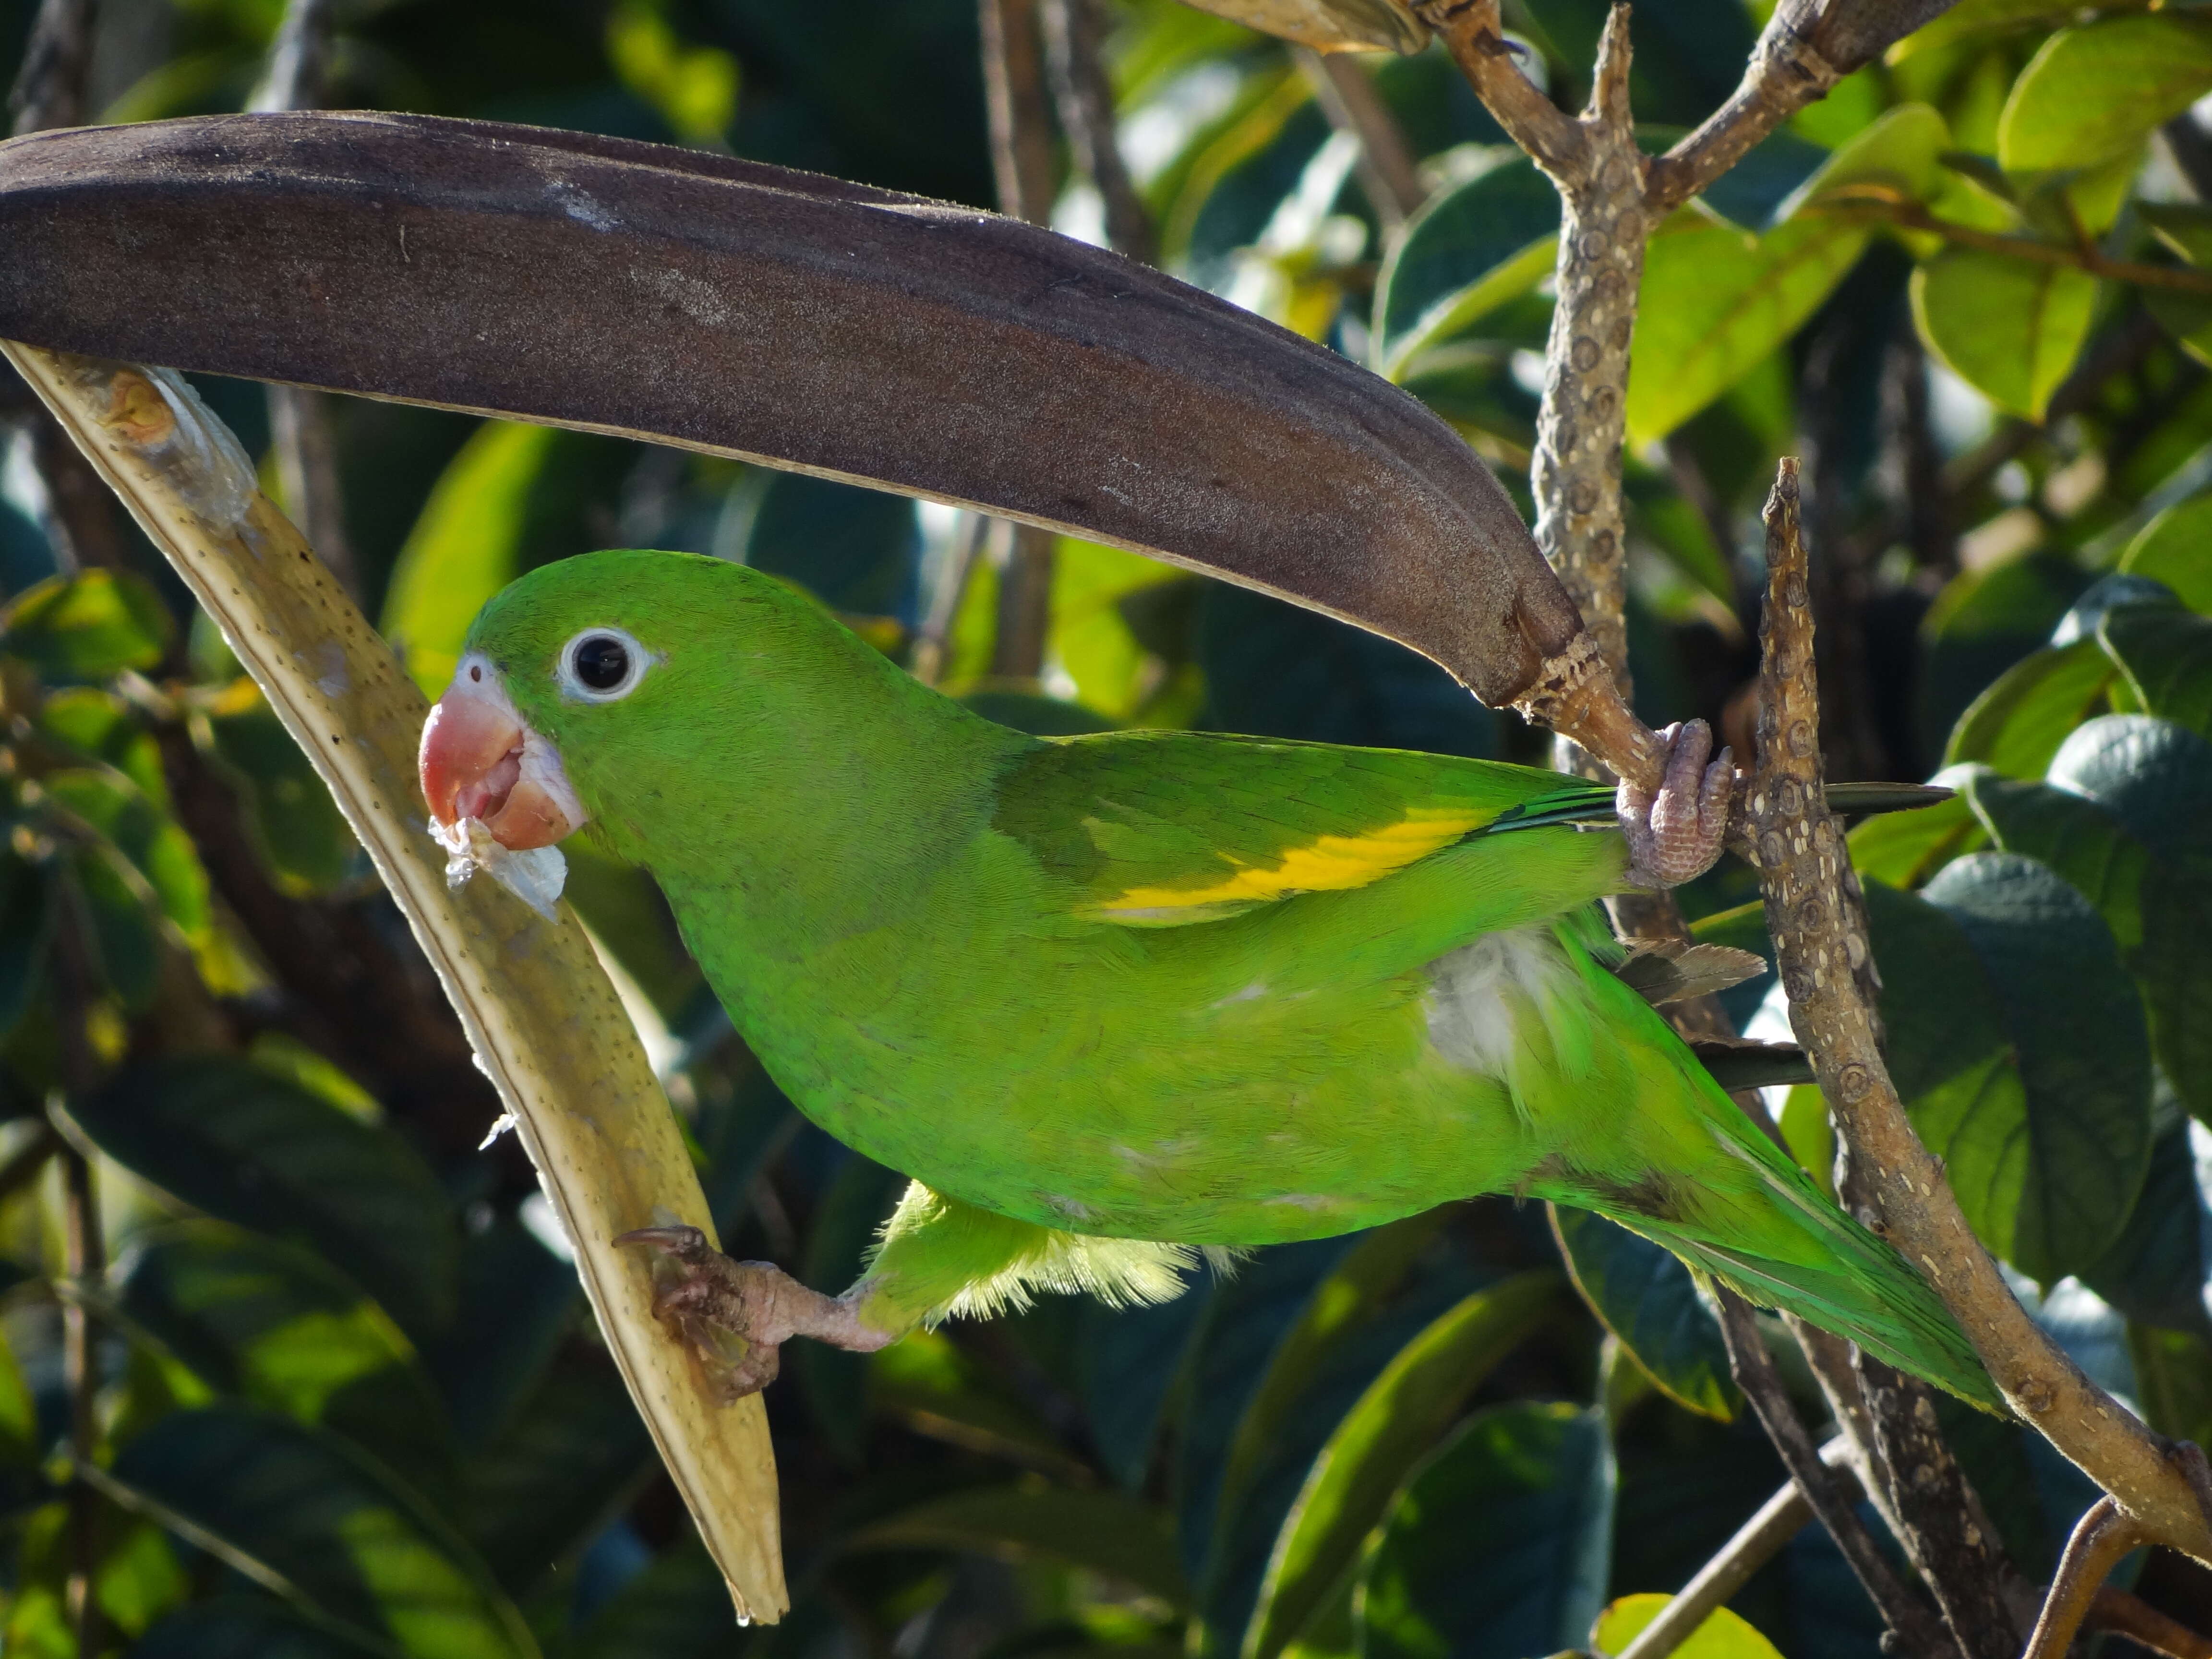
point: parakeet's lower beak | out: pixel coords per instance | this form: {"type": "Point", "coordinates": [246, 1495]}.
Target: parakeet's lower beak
{"type": "Point", "coordinates": [480, 760]}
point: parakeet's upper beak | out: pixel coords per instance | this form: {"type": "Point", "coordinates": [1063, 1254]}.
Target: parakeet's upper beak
{"type": "Point", "coordinates": [480, 760]}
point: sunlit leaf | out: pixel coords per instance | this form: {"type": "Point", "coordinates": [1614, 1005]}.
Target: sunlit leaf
{"type": "Point", "coordinates": [355, 1543]}
{"type": "Point", "coordinates": [1351, 1486]}
{"type": "Point", "coordinates": [1470, 248]}
{"type": "Point", "coordinates": [1904, 850]}
{"type": "Point", "coordinates": [2092, 92]}
{"type": "Point", "coordinates": [301, 835]}
{"type": "Point", "coordinates": [1723, 1635]}
{"type": "Point", "coordinates": [2015, 726]}
{"type": "Point", "coordinates": [91, 626]}
{"type": "Point", "coordinates": [2176, 548]}
{"type": "Point", "coordinates": [2018, 1042]}
{"type": "Point", "coordinates": [2168, 658]}
{"type": "Point", "coordinates": [1644, 1295]}
{"type": "Point", "coordinates": [254, 1149]}
{"type": "Point", "coordinates": [1500, 1549]}
{"type": "Point", "coordinates": [467, 546]}
{"type": "Point", "coordinates": [274, 1326]}
{"type": "Point", "coordinates": [2011, 328]}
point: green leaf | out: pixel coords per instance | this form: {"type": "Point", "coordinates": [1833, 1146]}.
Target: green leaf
{"type": "Point", "coordinates": [255, 1150]}
{"type": "Point", "coordinates": [1717, 302]}
{"type": "Point", "coordinates": [1127, 1361]}
{"type": "Point", "coordinates": [27, 920]}
{"type": "Point", "coordinates": [2155, 1270]}
{"type": "Point", "coordinates": [1350, 1486]}
{"type": "Point", "coordinates": [1342, 1306]}
{"type": "Point", "coordinates": [2018, 1043]}
{"type": "Point", "coordinates": [1501, 1547]}
{"type": "Point", "coordinates": [1724, 1634]}
{"type": "Point", "coordinates": [1984, 622]}
{"type": "Point", "coordinates": [1103, 1531]}
{"type": "Point", "coordinates": [2091, 93]}
{"type": "Point", "coordinates": [1644, 1295]}
{"type": "Point", "coordinates": [2176, 548]}
{"type": "Point", "coordinates": [88, 627]}
{"type": "Point", "coordinates": [1904, 850]}
{"type": "Point", "coordinates": [277, 1326]}
{"type": "Point", "coordinates": [467, 545]}
{"type": "Point", "coordinates": [677, 1608]}
{"type": "Point", "coordinates": [2010, 328]}
{"type": "Point", "coordinates": [302, 836]}
{"type": "Point", "coordinates": [2168, 658]}
{"type": "Point", "coordinates": [1471, 247]}
{"type": "Point", "coordinates": [2173, 1379]}
{"type": "Point", "coordinates": [559, 1469]}
{"type": "Point", "coordinates": [350, 1540]}
{"type": "Point", "coordinates": [157, 846]}
{"type": "Point", "coordinates": [2015, 726]}
{"type": "Point", "coordinates": [2125, 816]}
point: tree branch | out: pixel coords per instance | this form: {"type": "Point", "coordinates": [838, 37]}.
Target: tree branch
{"type": "Point", "coordinates": [49, 89]}
{"type": "Point", "coordinates": [1879, 201]}
{"type": "Point", "coordinates": [1388, 175]}
{"type": "Point", "coordinates": [1820, 947]}
{"type": "Point", "coordinates": [2100, 1538]}
{"type": "Point", "coordinates": [1014, 101]}
{"type": "Point", "coordinates": [1084, 97]}
{"type": "Point", "coordinates": [1754, 1372]}
{"type": "Point", "coordinates": [1757, 1542]}
{"type": "Point", "coordinates": [2131, 1616]}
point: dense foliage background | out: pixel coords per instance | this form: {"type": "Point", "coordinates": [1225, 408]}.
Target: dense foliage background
{"type": "Point", "coordinates": [349, 1398]}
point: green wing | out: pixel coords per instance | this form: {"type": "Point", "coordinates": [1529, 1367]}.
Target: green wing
{"type": "Point", "coordinates": [1164, 828]}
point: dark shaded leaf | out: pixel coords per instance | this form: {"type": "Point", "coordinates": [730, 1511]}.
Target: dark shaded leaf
{"type": "Point", "coordinates": [344, 1533]}
{"type": "Point", "coordinates": [245, 1626]}
{"type": "Point", "coordinates": [2016, 726]}
{"type": "Point", "coordinates": [1130, 1358]}
{"type": "Point", "coordinates": [272, 1324]}
{"type": "Point", "coordinates": [2126, 816]}
{"type": "Point", "coordinates": [2019, 1045]}
{"type": "Point", "coordinates": [254, 1149]}
{"type": "Point", "coordinates": [2157, 1269]}
{"type": "Point", "coordinates": [1352, 1483]}
{"type": "Point", "coordinates": [516, 1301]}
{"type": "Point", "coordinates": [1470, 248]}
{"type": "Point", "coordinates": [1644, 1295]}
{"type": "Point", "coordinates": [1103, 1531]}
{"type": "Point", "coordinates": [1500, 1547]}
{"type": "Point", "coordinates": [2168, 658]}
{"type": "Point", "coordinates": [1736, 1064]}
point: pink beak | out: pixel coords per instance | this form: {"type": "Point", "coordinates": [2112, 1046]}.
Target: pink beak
{"type": "Point", "coordinates": [473, 755]}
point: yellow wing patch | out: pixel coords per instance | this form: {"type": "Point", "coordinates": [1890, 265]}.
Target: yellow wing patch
{"type": "Point", "coordinates": [1325, 864]}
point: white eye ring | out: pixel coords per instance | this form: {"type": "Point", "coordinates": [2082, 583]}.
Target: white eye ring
{"type": "Point", "coordinates": [589, 662]}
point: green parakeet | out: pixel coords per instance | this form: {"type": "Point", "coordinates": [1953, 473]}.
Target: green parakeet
{"type": "Point", "coordinates": [1111, 999]}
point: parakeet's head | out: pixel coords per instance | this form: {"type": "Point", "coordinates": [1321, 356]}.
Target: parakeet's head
{"type": "Point", "coordinates": [652, 694]}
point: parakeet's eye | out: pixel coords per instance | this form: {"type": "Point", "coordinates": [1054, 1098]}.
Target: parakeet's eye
{"type": "Point", "coordinates": [602, 665]}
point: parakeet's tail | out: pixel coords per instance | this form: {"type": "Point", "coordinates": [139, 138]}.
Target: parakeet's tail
{"type": "Point", "coordinates": [1868, 1295]}
{"type": "Point", "coordinates": [1701, 1181]}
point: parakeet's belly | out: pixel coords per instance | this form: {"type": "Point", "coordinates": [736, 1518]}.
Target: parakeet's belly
{"type": "Point", "coordinates": [1184, 1085]}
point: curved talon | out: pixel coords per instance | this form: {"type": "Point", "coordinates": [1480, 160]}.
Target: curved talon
{"type": "Point", "coordinates": [1675, 833]}
{"type": "Point", "coordinates": [708, 1302]}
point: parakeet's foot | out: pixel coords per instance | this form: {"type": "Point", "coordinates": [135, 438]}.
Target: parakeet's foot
{"type": "Point", "coordinates": [706, 1299]}
{"type": "Point", "coordinates": [1675, 835]}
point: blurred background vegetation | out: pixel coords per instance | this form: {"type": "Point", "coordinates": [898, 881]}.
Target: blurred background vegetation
{"type": "Point", "coordinates": [343, 1395]}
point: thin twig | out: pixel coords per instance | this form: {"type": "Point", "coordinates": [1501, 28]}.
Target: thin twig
{"type": "Point", "coordinates": [1014, 101]}
{"type": "Point", "coordinates": [1757, 1542]}
{"type": "Point", "coordinates": [1084, 96]}
{"type": "Point", "coordinates": [1819, 947]}
{"type": "Point", "coordinates": [1879, 201]}
{"type": "Point", "coordinates": [49, 89]}
{"type": "Point", "coordinates": [1021, 159]}
{"type": "Point", "coordinates": [2122, 1614]}
{"type": "Point", "coordinates": [1754, 1369]}
{"type": "Point", "coordinates": [932, 644]}
{"type": "Point", "coordinates": [1388, 175]}
{"type": "Point", "coordinates": [84, 1259]}
{"type": "Point", "coordinates": [2100, 1538]}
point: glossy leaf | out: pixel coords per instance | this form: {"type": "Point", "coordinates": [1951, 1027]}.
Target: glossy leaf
{"type": "Point", "coordinates": [1471, 247]}
{"type": "Point", "coordinates": [2176, 548]}
{"type": "Point", "coordinates": [1717, 302]}
{"type": "Point", "coordinates": [91, 626]}
{"type": "Point", "coordinates": [252, 1148]}
{"type": "Point", "coordinates": [2010, 328]}
{"type": "Point", "coordinates": [1103, 1531]}
{"type": "Point", "coordinates": [2015, 726]}
{"type": "Point", "coordinates": [1367, 1459]}
{"type": "Point", "coordinates": [1904, 850]}
{"type": "Point", "coordinates": [352, 1542]}
{"type": "Point", "coordinates": [273, 1325]}
{"type": "Point", "coordinates": [2091, 94]}
{"type": "Point", "coordinates": [2168, 658]}
{"type": "Point", "coordinates": [1644, 1295]}
{"type": "Point", "coordinates": [2126, 816]}
{"type": "Point", "coordinates": [2018, 1042]}
{"type": "Point", "coordinates": [1500, 1547]}
{"type": "Point", "coordinates": [1724, 1634]}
